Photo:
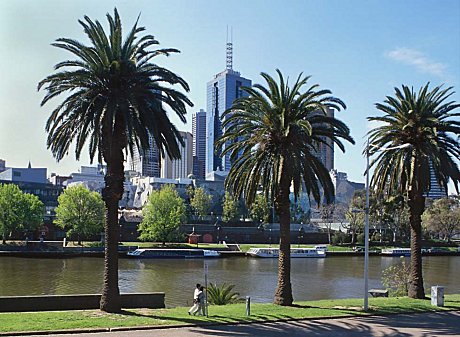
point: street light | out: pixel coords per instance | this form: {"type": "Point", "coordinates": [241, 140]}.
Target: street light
{"type": "Point", "coordinates": [366, 225]}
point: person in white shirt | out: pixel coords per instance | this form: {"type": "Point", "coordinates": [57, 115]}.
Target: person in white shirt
{"type": "Point", "coordinates": [196, 300]}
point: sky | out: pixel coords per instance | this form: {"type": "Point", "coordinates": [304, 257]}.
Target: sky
{"type": "Point", "coordinates": [360, 50]}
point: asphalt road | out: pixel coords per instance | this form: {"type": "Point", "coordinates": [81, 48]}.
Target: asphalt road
{"type": "Point", "coordinates": [419, 325]}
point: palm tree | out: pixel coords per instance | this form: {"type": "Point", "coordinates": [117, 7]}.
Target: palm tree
{"type": "Point", "coordinates": [273, 137]}
{"type": "Point", "coordinates": [419, 136]}
{"type": "Point", "coordinates": [114, 97]}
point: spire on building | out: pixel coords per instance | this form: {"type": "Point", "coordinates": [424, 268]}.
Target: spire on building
{"type": "Point", "coordinates": [230, 50]}
{"type": "Point", "coordinates": [30, 165]}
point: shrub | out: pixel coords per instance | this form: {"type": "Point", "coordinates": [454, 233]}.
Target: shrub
{"type": "Point", "coordinates": [340, 238]}
{"type": "Point", "coordinates": [396, 278]}
{"type": "Point", "coordinates": [222, 294]}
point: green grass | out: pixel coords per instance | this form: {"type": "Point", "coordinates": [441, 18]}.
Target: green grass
{"type": "Point", "coordinates": [58, 320]}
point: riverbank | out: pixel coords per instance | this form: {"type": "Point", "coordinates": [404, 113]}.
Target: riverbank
{"type": "Point", "coordinates": [95, 320]}
{"type": "Point", "coordinates": [55, 249]}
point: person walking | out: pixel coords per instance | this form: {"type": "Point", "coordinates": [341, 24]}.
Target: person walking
{"type": "Point", "coordinates": [196, 301]}
{"type": "Point", "coordinates": [201, 302]}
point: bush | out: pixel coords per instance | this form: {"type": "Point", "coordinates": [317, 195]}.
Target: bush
{"type": "Point", "coordinates": [360, 238]}
{"type": "Point", "coordinates": [340, 238]}
{"type": "Point", "coordinates": [396, 278]}
{"type": "Point", "coordinates": [223, 294]}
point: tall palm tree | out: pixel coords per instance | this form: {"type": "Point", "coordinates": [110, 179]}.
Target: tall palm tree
{"type": "Point", "coordinates": [115, 98]}
{"type": "Point", "coordinates": [420, 136]}
{"type": "Point", "coordinates": [273, 136]}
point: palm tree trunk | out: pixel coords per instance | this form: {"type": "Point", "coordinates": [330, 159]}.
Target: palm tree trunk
{"type": "Point", "coordinates": [283, 293]}
{"type": "Point", "coordinates": [416, 205]}
{"type": "Point", "coordinates": [112, 193]}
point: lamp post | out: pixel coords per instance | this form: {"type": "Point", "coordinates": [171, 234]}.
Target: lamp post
{"type": "Point", "coordinates": [366, 224]}
{"type": "Point", "coordinates": [366, 236]}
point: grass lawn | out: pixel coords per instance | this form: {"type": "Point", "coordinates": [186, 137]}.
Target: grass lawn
{"type": "Point", "coordinates": [58, 320]}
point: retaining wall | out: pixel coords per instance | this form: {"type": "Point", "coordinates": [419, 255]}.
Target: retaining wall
{"type": "Point", "coordinates": [77, 302]}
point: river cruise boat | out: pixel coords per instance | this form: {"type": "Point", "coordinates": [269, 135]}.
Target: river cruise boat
{"type": "Point", "coordinates": [396, 251]}
{"type": "Point", "coordinates": [146, 253]}
{"type": "Point", "coordinates": [295, 252]}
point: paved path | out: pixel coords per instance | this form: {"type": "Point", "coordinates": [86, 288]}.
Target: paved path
{"type": "Point", "coordinates": [419, 325]}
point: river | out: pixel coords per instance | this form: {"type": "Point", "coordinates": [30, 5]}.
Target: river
{"type": "Point", "coordinates": [312, 279]}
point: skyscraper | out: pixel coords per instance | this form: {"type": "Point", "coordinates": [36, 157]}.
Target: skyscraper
{"type": "Point", "coordinates": [179, 168]}
{"type": "Point", "coordinates": [199, 143]}
{"type": "Point", "coordinates": [436, 190]}
{"type": "Point", "coordinates": [146, 162]}
{"type": "Point", "coordinates": [326, 150]}
{"type": "Point", "coordinates": [222, 90]}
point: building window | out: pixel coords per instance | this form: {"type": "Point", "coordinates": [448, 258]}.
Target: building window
{"type": "Point", "coordinates": [16, 174]}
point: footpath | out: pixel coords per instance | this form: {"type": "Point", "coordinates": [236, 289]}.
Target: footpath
{"type": "Point", "coordinates": [428, 324]}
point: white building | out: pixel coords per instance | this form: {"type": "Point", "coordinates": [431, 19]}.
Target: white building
{"type": "Point", "coordinates": [179, 168]}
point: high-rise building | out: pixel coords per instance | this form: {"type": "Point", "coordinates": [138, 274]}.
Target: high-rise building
{"type": "Point", "coordinates": [326, 150]}
{"type": "Point", "coordinates": [199, 143]}
{"type": "Point", "coordinates": [146, 162]}
{"type": "Point", "coordinates": [2, 165]}
{"type": "Point", "coordinates": [179, 168]}
{"type": "Point", "coordinates": [222, 90]}
{"type": "Point", "coordinates": [436, 191]}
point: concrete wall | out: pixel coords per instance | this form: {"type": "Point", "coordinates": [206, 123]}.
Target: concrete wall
{"type": "Point", "coordinates": [77, 302]}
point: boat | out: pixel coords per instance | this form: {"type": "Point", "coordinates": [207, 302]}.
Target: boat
{"type": "Point", "coordinates": [151, 253]}
{"type": "Point", "coordinates": [396, 251]}
{"type": "Point", "coordinates": [295, 252]}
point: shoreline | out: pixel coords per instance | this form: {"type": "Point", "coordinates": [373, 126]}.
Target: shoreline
{"type": "Point", "coordinates": [90, 252]}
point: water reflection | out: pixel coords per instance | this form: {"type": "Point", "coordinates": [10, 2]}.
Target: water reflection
{"type": "Point", "coordinates": [332, 277]}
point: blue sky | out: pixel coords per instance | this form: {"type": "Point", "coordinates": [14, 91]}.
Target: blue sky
{"type": "Point", "coordinates": [360, 50]}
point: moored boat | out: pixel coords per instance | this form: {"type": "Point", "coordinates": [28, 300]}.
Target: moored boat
{"type": "Point", "coordinates": [295, 252]}
{"type": "Point", "coordinates": [396, 251]}
{"type": "Point", "coordinates": [152, 253]}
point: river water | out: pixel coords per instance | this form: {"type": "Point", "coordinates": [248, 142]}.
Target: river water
{"type": "Point", "coordinates": [312, 279]}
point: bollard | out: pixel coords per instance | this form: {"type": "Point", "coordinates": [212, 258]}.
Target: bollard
{"type": "Point", "coordinates": [437, 296]}
{"type": "Point", "coordinates": [248, 305]}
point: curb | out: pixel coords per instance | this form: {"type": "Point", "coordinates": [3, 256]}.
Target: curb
{"type": "Point", "coordinates": [204, 324]}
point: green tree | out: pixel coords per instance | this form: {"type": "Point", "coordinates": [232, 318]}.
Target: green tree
{"type": "Point", "coordinates": [200, 202]}
{"type": "Point", "coordinates": [33, 210]}
{"type": "Point", "coordinates": [116, 98]}
{"type": "Point", "coordinates": [273, 137]}
{"type": "Point", "coordinates": [18, 211]}
{"type": "Point", "coordinates": [163, 213]}
{"type": "Point", "coordinates": [230, 209]}
{"type": "Point", "coordinates": [80, 212]}
{"type": "Point", "coordinates": [260, 209]}
{"type": "Point", "coordinates": [420, 135]}
{"type": "Point", "coordinates": [443, 218]}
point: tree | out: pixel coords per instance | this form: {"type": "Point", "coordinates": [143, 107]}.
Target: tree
{"type": "Point", "coordinates": [18, 211]}
{"type": "Point", "coordinates": [420, 136]}
{"type": "Point", "coordinates": [116, 98]}
{"type": "Point", "coordinates": [273, 136]}
{"type": "Point", "coordinates": [259, 210]}
{"type": "Point", "coordinates": [327, 215]}
{"type": "Point", "coordinates": [163, 213]}
{"type": "Point", "coordinates": [32, 212]}
{"type": "Point", "coordinates": [396, 278]}
{"type": "Point", "coordinates": [443, 218]}
{"type": "Point", "coordinates": [200, 201]}
{"type": "Point", "coordinates": [230, 207]}
{"type": "Point", "coordinates": [80, 212]}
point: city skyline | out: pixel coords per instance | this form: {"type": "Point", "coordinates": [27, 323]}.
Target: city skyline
{"type": "Point", "coordinates": [358, 50]}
